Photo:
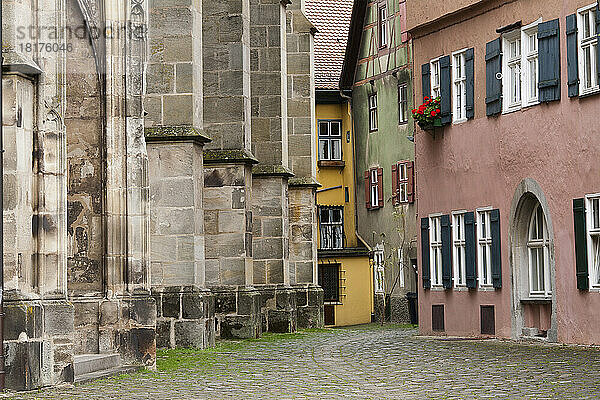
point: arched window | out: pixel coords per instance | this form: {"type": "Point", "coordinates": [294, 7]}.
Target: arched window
{"type": "Point", "coordinates": [538, 245]}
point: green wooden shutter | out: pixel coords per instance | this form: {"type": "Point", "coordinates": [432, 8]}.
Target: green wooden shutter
{"type": "Point", "coordinates": [470, 75]}
{"type": "Point", "coordinates": [445, 90]}
{"type": "Point", "coordinates": [581, 261]}
{"type": "Point", "coordinates": [426, 80]}
{"type": "Point", "coordinates": [446, 252]}
{"type": "Point", "coordinates": [549, 61]}
{"type": "Point", "coordinates": [572, 62]}
{"type": "Point", "coordinates": [598, 36]}
{"type": "Point", "coordinates": [470, 250]}
{"type": "Point", "coordinates": [496, 256]}
{"type": "Point", "coordinates": [493, 69]}
{"type": "Point", "coordinates": [425, 271]}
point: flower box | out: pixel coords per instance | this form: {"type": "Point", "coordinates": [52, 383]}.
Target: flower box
{"type": "Point", "coordinates": [428, 114]}
{"type": "Point", "coordinates": [430, 126]}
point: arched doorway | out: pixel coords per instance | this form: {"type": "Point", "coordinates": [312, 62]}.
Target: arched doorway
{"type": "Point", "coordinates": [532, 264]}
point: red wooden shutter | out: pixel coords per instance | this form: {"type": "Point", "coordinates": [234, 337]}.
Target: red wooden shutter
{"type": "Point", "coordinates": [395, 197]}
{"type": "Point", "coordinates": [410, 173]}
{"type": "Point", "coordinates": [380, 185]}
{"type": "Point", "coordinates": [368, 189]}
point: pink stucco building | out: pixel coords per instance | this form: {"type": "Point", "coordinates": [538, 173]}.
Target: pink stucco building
{"type": "Point", "coordinates": [508, 189]}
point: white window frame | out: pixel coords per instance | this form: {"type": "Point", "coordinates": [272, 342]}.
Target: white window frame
{"type": "Point", "coordinates": [582, 44]}
{"type": "Point", "coordinates": [484, 248]}
{"type": "Point", "coordinates": [401, 267]}
{"type": "Point", "coordinates": [374, 183]}
{"type": "Point", "coordinates": [459, 86]}
{"type": "Point", "coordinates": [459, 264]}
{"type": "Point", "coordinates": [435, 78]}
{"type": "Point", "coordinates": [510, 63]}
{"type": "Point", "coordinates": [373, 114]}
{"type": "Point", "coordinates": [593, 257]}
{"type": "Point", "coordinates": [330, 140]}
{"type": "Point", "coordinates": [331, 229]}
{"type": "Point", "coordinates": [382, 18]}
{"type": "Point", "coordinates": [403, 182]}
{"type": "Point", "coordinates": [403, 103]}
{"type": "Point", "coordinates": [535, 244]}
{"type": "Point", "coordinates": [435, 249]}
{"type": "Point", "coordinates": [379, 269]}
{"type": "Point", "coordinates": [529, 57]}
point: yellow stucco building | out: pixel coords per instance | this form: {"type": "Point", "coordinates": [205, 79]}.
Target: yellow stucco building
{"type": "Point", "coordinates": [345, 271]}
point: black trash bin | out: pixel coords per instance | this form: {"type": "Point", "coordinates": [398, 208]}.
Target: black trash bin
{"type": "Point", "coordinates": [412, 307]}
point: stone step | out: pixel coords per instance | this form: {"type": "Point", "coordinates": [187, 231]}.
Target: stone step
{"type": "Point", "coordinates": [89, 363]}
{"type": "Point", "coordinates": [127, 369]}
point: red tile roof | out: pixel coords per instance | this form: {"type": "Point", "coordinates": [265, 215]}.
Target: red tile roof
{"type": "Point", "coordinates": [332, 20]}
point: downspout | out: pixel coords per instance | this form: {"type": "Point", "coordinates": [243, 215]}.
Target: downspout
{"type": "Point", "coordinates": [2, 372]}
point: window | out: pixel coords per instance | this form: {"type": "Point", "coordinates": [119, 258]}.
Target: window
{"type": "Point", "coordinates": [538, 246]}
{"type": "Point", "coordinates": [374, 188]}
{"type": "Point", "coordinates": [435, 250]}
{"type": "Point", "coordinates": [383, 25]}
{"type": "Point", "coordinates": [435, 78]}
{"type": "Point", "coordinates": [400, 268]}
{"type": "Point", "coordinates": [529, 74]}
{"type": "Point", "coordinates": [373, 112]}
{"type": "Point", "coordinates": [402, 103]}
{"type": "Point", "coordinates": [329, 280]}
{"type": "Point", "coordinates": [484, 248]}
{"type": "Point", "coordinates": [458, 252]}
{"type": "Point", "coordinates": [588, 49]}
{"type": "Point", "coordinates": [459, 86]}
{"type": "Point", "coordinates": [330, 140]}
{"type": "Point", "coordinates": [332, 227]}
{"type": "Point", "coordinates": [511, 76]}
{"type": "Point", "coordinates": [403, 182]}
{"type": "Point", "coordinates": [593, 229]}
{"type": "Point", "coordinates": [378, 270]}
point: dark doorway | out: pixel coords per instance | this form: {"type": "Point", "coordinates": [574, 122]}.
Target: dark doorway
{"type": "Point", "coordinates": [437, 318]}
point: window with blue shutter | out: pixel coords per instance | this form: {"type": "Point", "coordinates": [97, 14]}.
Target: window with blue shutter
{"type": "Point", "coordinates": [493, 69]}
{"type": "Point", "coordinates": [581, 262]}
{"type": "Point", "coordinates": [470, 250]}
{"type": "Point", "coordinates": [470, 75]}
{"type": "Point", "coordinates": [426, 80]}
{"type": "Point", "coordinates": [445, 90]}
{"type": "Point", "coordinates": [496, 256]}
{"type": "Point", "coordinates": [446, 252]}
{"type": "Point", "coordinates": [549, 61]}
{"type": "Point", "coordinates": [572, 56]}
{"type": "Point", "coordinates": [425, 272]}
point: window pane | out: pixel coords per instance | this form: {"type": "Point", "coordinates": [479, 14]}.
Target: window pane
{"type": "Point", "coordinates": [533, 84]}
{"type": "Point", "coordinates": [337, 237]}
{"type": "Point", "coordinates": [596, 259]}
{"type": "Point", "coordinates": [323, 128]}
{"type": "Point", "coordinates": [324, 215]}
{"type": "Point", "coordinates": [588, 66]}
{"type": "Point", "coordinates": [336, 215]}
{"type": "Point", "coordinates": [335, 129]}
{"type": "Point", "coordinates": [336, 149]}
{"type": "Point", "coordinates": [586, 25]}
{"type": "Point", "coordinates": [596, 213]}
{"type": "Point", "coordinates": [534, 275]}
{"type": "Point", "coordinates": [323, 150]}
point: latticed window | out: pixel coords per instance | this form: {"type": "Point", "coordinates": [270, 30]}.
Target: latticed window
{"type": "Point", "coordinates": [538, 244]}
{"type": "Point", "coordinates": [435, 244]}
{"type": "Point", "coordinates": [331, 222]}
{"type": "Point", "coordinates": [588, 49]}
{"type": "Point", "coordinates": [484, 250]}
{"type": "Point", "coordinates": [458, 253]}
{"type": "Point", "coordinates": [373, 112]}
{"type": "Point", "coordinates": [435, 78]}
{"type": "Point", "coordinates": [330, 140]}
{"type": "Point", "coordinates": [593, 229]}
{"type": "Point", "coordinates": [329, 280]}
{"type": "Point", "coordinates": [402, 103]}
{"type": "Point", "coordinates": [459, 88]}
{"type": "Point", "coordinates": [383, 31]}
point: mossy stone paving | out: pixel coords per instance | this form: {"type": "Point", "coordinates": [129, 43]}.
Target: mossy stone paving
{"type": "Point", "coordinates": [365, 362]}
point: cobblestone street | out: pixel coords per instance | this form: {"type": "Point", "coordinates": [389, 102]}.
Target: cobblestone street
{"type": "Point", "coordinates": [358, 362]}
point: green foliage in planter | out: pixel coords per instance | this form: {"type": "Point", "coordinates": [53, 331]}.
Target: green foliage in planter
{"type": "Point", "coordinates": [428, 113]}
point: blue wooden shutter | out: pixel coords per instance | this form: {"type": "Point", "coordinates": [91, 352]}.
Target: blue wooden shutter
{"type": "Point", "coordinates": [426, 80]}
{"type": "Point", "coordinates": [445, 90]}
{"type": "Point", "coordinates": [470, 74]}
{"type": "Point", "coordinates": [572, 62]}
{"type": "Point", "coordinates": [581, 261]}
{"type": "Point", "coordinates": [470, 250]}
{"type": "Point", "coordinates": [425, 272]}
{"type": "Point", "coordinates": [598, 36]}
{"type": "Point", "coordinates": [446, 252]}
{"type": "Point", "coordinates": [549, 61]}
{"type": "Point", "coordinates": [496, 256]}
{"type": "Point", "coordinates": [493, 86]}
